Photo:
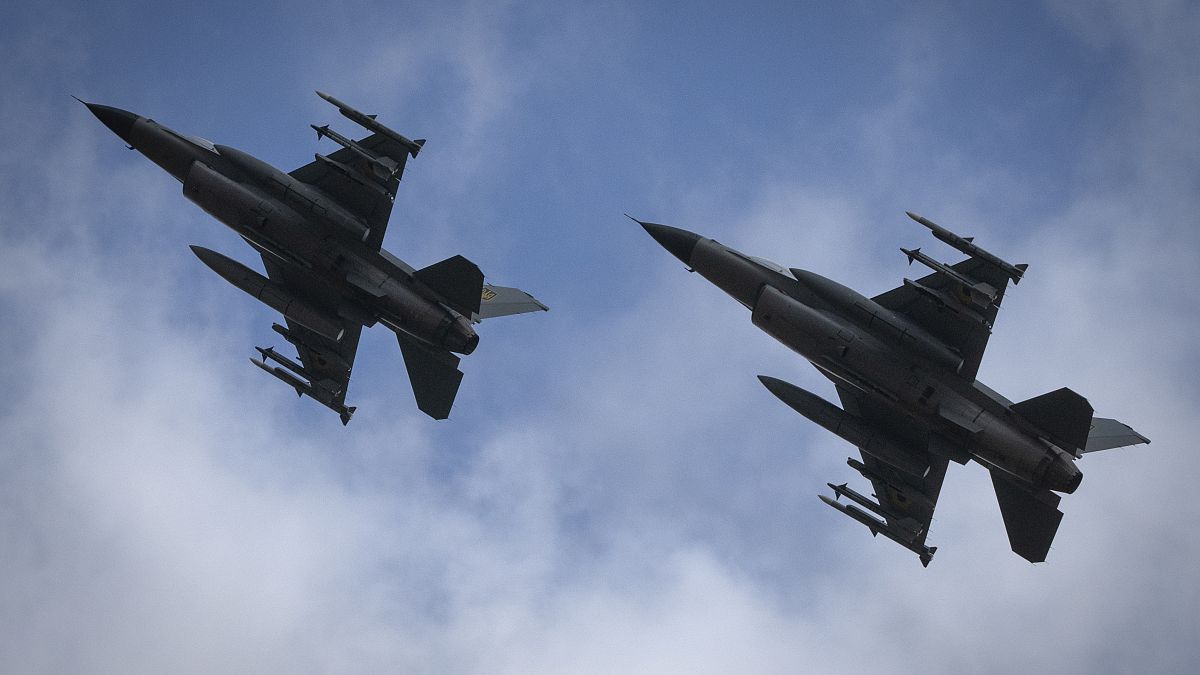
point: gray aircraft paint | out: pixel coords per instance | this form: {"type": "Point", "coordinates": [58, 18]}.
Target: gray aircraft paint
{"type": "Point", "coordinates": [319, 230]}
{"type": "Point", "coordinates": [904, 366]}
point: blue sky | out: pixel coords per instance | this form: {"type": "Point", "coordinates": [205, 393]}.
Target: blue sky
{"type": "Point", "coordinates": [614, 490]}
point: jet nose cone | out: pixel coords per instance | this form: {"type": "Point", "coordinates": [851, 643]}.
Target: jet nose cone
{"type": "Point", "coordinates": [679, 242]}
{"type": "Point", "coordinates": [119, 121]}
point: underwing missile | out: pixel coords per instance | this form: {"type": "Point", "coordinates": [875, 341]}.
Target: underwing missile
{"type": "Point", "coordinates": [875, 477]}
{"type": "Point", "coordinates": [269, 353]}
{"type": "Point", "coordinates": [270, 294]}
{"type": "Point", "coordinates": [874, 525]}
{"type": "Point", "coordinates": [981, 294]}
{"type": "Point", "coordinates": [356, 177]}
{"type": "Point", "coordinates": [966, 245]}
{"type": "Point", "coordinates": [381, 167]}
{"type": "Point", "coordinates": [946, 302]}
{"type": "Point", "coordinates": [850, 428]}
{"type": "Point", "coordinates": [368, 122]}
{"type": "Point", "coordinates": [334, 359]}
{"type": "Point", "coordinates": [292, 381]}
{"type": "Point", "coordinates": [877, 527]}
{"type": "Point", "coordinates": [304, 388]}
{"type": "Point", "coordinates": [900, 522]}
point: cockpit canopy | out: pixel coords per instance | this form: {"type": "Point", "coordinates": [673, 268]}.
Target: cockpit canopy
{"type": "Point", "coordinates": [773, 266]}
{"type": "Point", "coordinates": [194, 140]}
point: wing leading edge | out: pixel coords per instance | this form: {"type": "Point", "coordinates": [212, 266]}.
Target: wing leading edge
{"type": "Point", "coordinates": [957, 303]}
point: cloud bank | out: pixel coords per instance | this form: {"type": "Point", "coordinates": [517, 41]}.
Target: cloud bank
{"type": "Point", "coordinates": [615, 492]}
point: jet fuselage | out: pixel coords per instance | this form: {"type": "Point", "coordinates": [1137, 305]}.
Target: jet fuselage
{"type": "Point", "coordinates": [302, 228]}
{"type": "Point", "coordinates": [867, 347]}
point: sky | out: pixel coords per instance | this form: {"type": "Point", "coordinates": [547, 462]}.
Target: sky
{"type": "Point", "coordinates": [614, 490]}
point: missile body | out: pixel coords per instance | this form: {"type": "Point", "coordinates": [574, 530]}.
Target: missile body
{"type": "Point", "coordinates": [379, 166]}
{"type": "Point", "coordinates": [874, 525]}
{"type": "Point", "coordinates": [270, 294]}
{"type": "Point", "coordinates": [925, 553]}
{"type": "Point", "coordinates": [318, 394]}
{"type": "Point", "coordinates": [269, 353]}
{"type": "Point", "coordinates": [850, 428]}
{"type": "Point", "coordinates": [368, 122]}
{"type": "Point", "coordinates": [967, 246]}
{"type": "Point", "coordinates": [980, 293]}
{"type": "Point", "coordinates": [900, 522]}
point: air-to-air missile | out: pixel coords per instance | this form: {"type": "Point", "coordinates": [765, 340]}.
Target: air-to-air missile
{"type": "Point", "coordinates": [980, 293]}
{"type": "Point", "coordinates": [966, 245]}
{"type": "Point", "coordinates": [369, 122]}
{"type": "Point", "coordinates": [908, 538]}
{"type": "Point", "coordinates": [382, 166]}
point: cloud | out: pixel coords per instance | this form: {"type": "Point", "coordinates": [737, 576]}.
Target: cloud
{"type": "Point", "coordinates": [652, 507]}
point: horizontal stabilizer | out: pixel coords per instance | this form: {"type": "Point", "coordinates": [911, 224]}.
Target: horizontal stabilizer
{"type": "Point", "coordinates": [457, 280]}
{"type": "Point", "coordinates": [434, 376]}
{"type": "Point", "coordinates": [1062, 414]}
{"type": "Point", "coordinates": [505, 301]}
{"type": "Point", "coordinates": [1030, 518]}
{"type": "Point", "coordinates": [1108, 433]}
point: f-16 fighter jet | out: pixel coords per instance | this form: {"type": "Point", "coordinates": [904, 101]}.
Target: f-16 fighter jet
{"type": "Point", "coordinates": [319, 230]}
{"type": "Point", "coordinates": [904, 366]}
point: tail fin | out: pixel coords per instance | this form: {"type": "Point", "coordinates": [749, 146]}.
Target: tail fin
{"type": "Point", "coordinates": [1030, 518]}
{"type": "Point", "coordinates": [1062, 414]}
{"type": "Point", "coordinates": [458, 281]}
{"type": "Point", "coordinates": [434, 376]}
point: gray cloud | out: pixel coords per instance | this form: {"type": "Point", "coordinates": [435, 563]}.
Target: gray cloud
{"type": "Point", "coordinates": [642, 515]}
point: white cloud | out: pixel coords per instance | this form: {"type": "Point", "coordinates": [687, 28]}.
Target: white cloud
{"type": "Point", "coordinates": [162, 509]}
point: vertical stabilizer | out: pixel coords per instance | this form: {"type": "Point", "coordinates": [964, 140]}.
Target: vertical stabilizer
{"type": "Point", "coordinates": [1066, 417]}
{"type": "Point", "coordinates": [458, 281]}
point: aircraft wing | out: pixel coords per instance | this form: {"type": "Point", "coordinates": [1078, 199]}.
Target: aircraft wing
{"type": "Point", "coordinates": [326, 364]}
{"type": "Point", "coordinates": [946, 310]}
{"type": "Point", "coordinates": [908, 499]}
{"type": "Point", "coordinates": [360, 190]}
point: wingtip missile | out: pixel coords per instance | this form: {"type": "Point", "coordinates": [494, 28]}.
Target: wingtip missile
{"type": "Point", "coordinates": [302, 387]}
{"type": "Point", "coordinates": [967, 246]}
{"type": "Point", "coordinates": [878, 527]}
{"type": "Point", "coordinates": [368, 122]}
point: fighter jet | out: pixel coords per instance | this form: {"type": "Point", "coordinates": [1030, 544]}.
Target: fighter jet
{"type": "Point", "coordinates": [904, 366]}
{"type": "Point", "coordinates": [319, 230]}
